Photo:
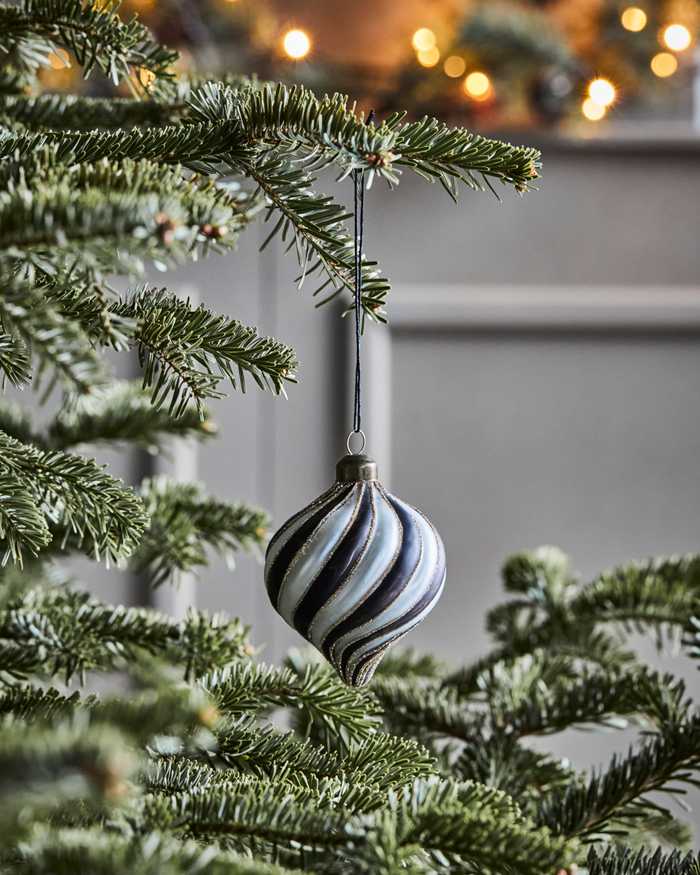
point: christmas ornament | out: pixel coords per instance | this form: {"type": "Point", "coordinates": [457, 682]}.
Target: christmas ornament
{"type": "Point", "coordinates": [357, 569]}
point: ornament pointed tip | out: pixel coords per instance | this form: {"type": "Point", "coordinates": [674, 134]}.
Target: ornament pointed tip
{"type": "Point", "coordinates": [355, 467]}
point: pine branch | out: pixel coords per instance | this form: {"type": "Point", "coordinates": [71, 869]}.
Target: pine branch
{"type": "Point", "coordinates": [184, 521]}
{"type": "Point", "coordinates": [94, 33]}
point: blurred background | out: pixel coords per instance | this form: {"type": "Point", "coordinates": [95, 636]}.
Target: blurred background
{"type": "Point", "coordinates": [538, 379]}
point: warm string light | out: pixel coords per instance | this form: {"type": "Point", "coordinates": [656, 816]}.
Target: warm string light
{"type": "Point", "coordinates": [455, 66]}
{"type": "Point", "coordinates": [634, 19]}
{"type": "Point", "coordinates": [600, 95]}
{"type": "Point", "coordinates": [424, 40]}
{"type": "Point", "coordinates": [59, 60]}
{"type": "Point", "coordinates": [429, 57]}
{"type": "Point", "coordinates": [677, 37]}
{"type": "Point", "coordinates": [477, 85]}
{"type": "Point", "coordinates": [592, 110]}
{"type": "Point", "coordinates": [663, 65]}
{"type": "Point", "coordinates": [601, 92]}
{"type": "Point", "coordinates": [296, 43]}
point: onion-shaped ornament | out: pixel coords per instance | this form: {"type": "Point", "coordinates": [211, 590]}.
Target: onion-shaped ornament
{"type": "Point", "coordinates": [355, 570]}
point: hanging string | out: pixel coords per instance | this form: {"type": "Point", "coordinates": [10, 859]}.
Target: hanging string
{"type": "Point", "coordinates": [359, 240]}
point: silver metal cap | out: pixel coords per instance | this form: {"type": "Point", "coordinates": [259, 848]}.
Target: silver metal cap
{"type": "Point", "coordinates": [355, 467]}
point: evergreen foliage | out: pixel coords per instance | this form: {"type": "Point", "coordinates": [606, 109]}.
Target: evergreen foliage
{"type": "Point", "coordinates": [180, 764]}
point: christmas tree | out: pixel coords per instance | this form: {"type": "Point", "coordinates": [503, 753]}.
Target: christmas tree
{"type": "Point", "coordinates": [178, 764]}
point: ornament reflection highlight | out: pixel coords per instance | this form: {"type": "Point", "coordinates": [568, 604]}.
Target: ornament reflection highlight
{"type": "Point", "coordinates": [296, 44]}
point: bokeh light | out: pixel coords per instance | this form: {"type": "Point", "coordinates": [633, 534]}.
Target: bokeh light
{"type": "Point", "coordinates": [424, 39]}
{"type": "Point", "coordinates": [296, 43]}
{"type": "Point", "coordinates": [601, 92]}
{"type": "Point", "coordinates": [59, 60]}
{"type": "Point", "coordinates": [677, 37]}
{"type": "Point", "coordinates": [592, 110]}
{"type": "Point", "coordinates": [455, 66]}
{"type": "Point", "coordinates": [477, 85]}
{"type": "Point", "coordinates": [634, 19]}
{"type": "Point", "coordinates": [664, 64]}
{"type": "Point", "coordinates": [429, 57]}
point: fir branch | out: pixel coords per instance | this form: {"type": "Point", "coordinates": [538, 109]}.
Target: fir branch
{"type": "Point", "coordinates": [179, 348]}
{"type": "Point", "coordinates": [70, 218]}
{"type": "Point", "coordinates": [585, 811]}
{"type": "Point", "coordinates": [66, 633]}
{"type": "Point", "coordinates": [500, 761]}
{"type": "Point", "coordinates": [77, 112]}
{"type": "Point", "coordinates": [23, 526]}
{"type": "Point", "coordinates": [539, 705]}
{"type": "Point", "coordinates": [94, 33]}
{"type": "Point", "coordinates": [122, 413]}
{"type": "Point", "coordinates": [198, 147]}
{"type": "Point", "coordinates": [86, 851]}
{"type": "Point", "coordinates": [656, 592]}
{"type": "Point", "coordinates": [74, 493]}
{"type": "Point", "coordinates": [342, 714]}
{"type": "Point", "coordinates": [14, 361]}
{"type": "Point", "coordinates": [184, 521]}
{"type": "Point", "coordinates": [34, 704]}
{"type": "Point", "coordinates": [420, 708]}
{"type": "Point", "coordinates": [315, 225]}
{"type": "Point", "coordinates": [613, 862]}
{"type": "Point", "coordinates": [463, 827]}
{"type": "Point", "coordinates": [294, 119]}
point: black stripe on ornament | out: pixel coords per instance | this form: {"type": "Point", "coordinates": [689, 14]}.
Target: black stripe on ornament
{"type": "Point", "coordinates": [339, 566]}
{"type": "Point", "coordinates": [285, 557]}
{"type": "Point", "coordinates": [321, 500]}
{"type": "Point", "coordinates": [427, 597]}
{"type": "Point", "coordinates": [389, 588]}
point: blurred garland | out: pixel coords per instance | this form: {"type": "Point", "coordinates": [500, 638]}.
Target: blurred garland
{"type": "Point", "coordinates": [538, 57]}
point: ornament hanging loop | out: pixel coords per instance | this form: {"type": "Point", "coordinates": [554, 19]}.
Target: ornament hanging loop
{"type": "Point", "coordinates": [364, 442]}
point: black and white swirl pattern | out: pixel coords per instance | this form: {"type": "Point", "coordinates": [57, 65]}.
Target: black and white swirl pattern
{"type": "Point", "coordinates": [353, 572]}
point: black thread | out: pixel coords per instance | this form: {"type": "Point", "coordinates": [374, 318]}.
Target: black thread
{"type": "Point", "coordinates": [359, 241]}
